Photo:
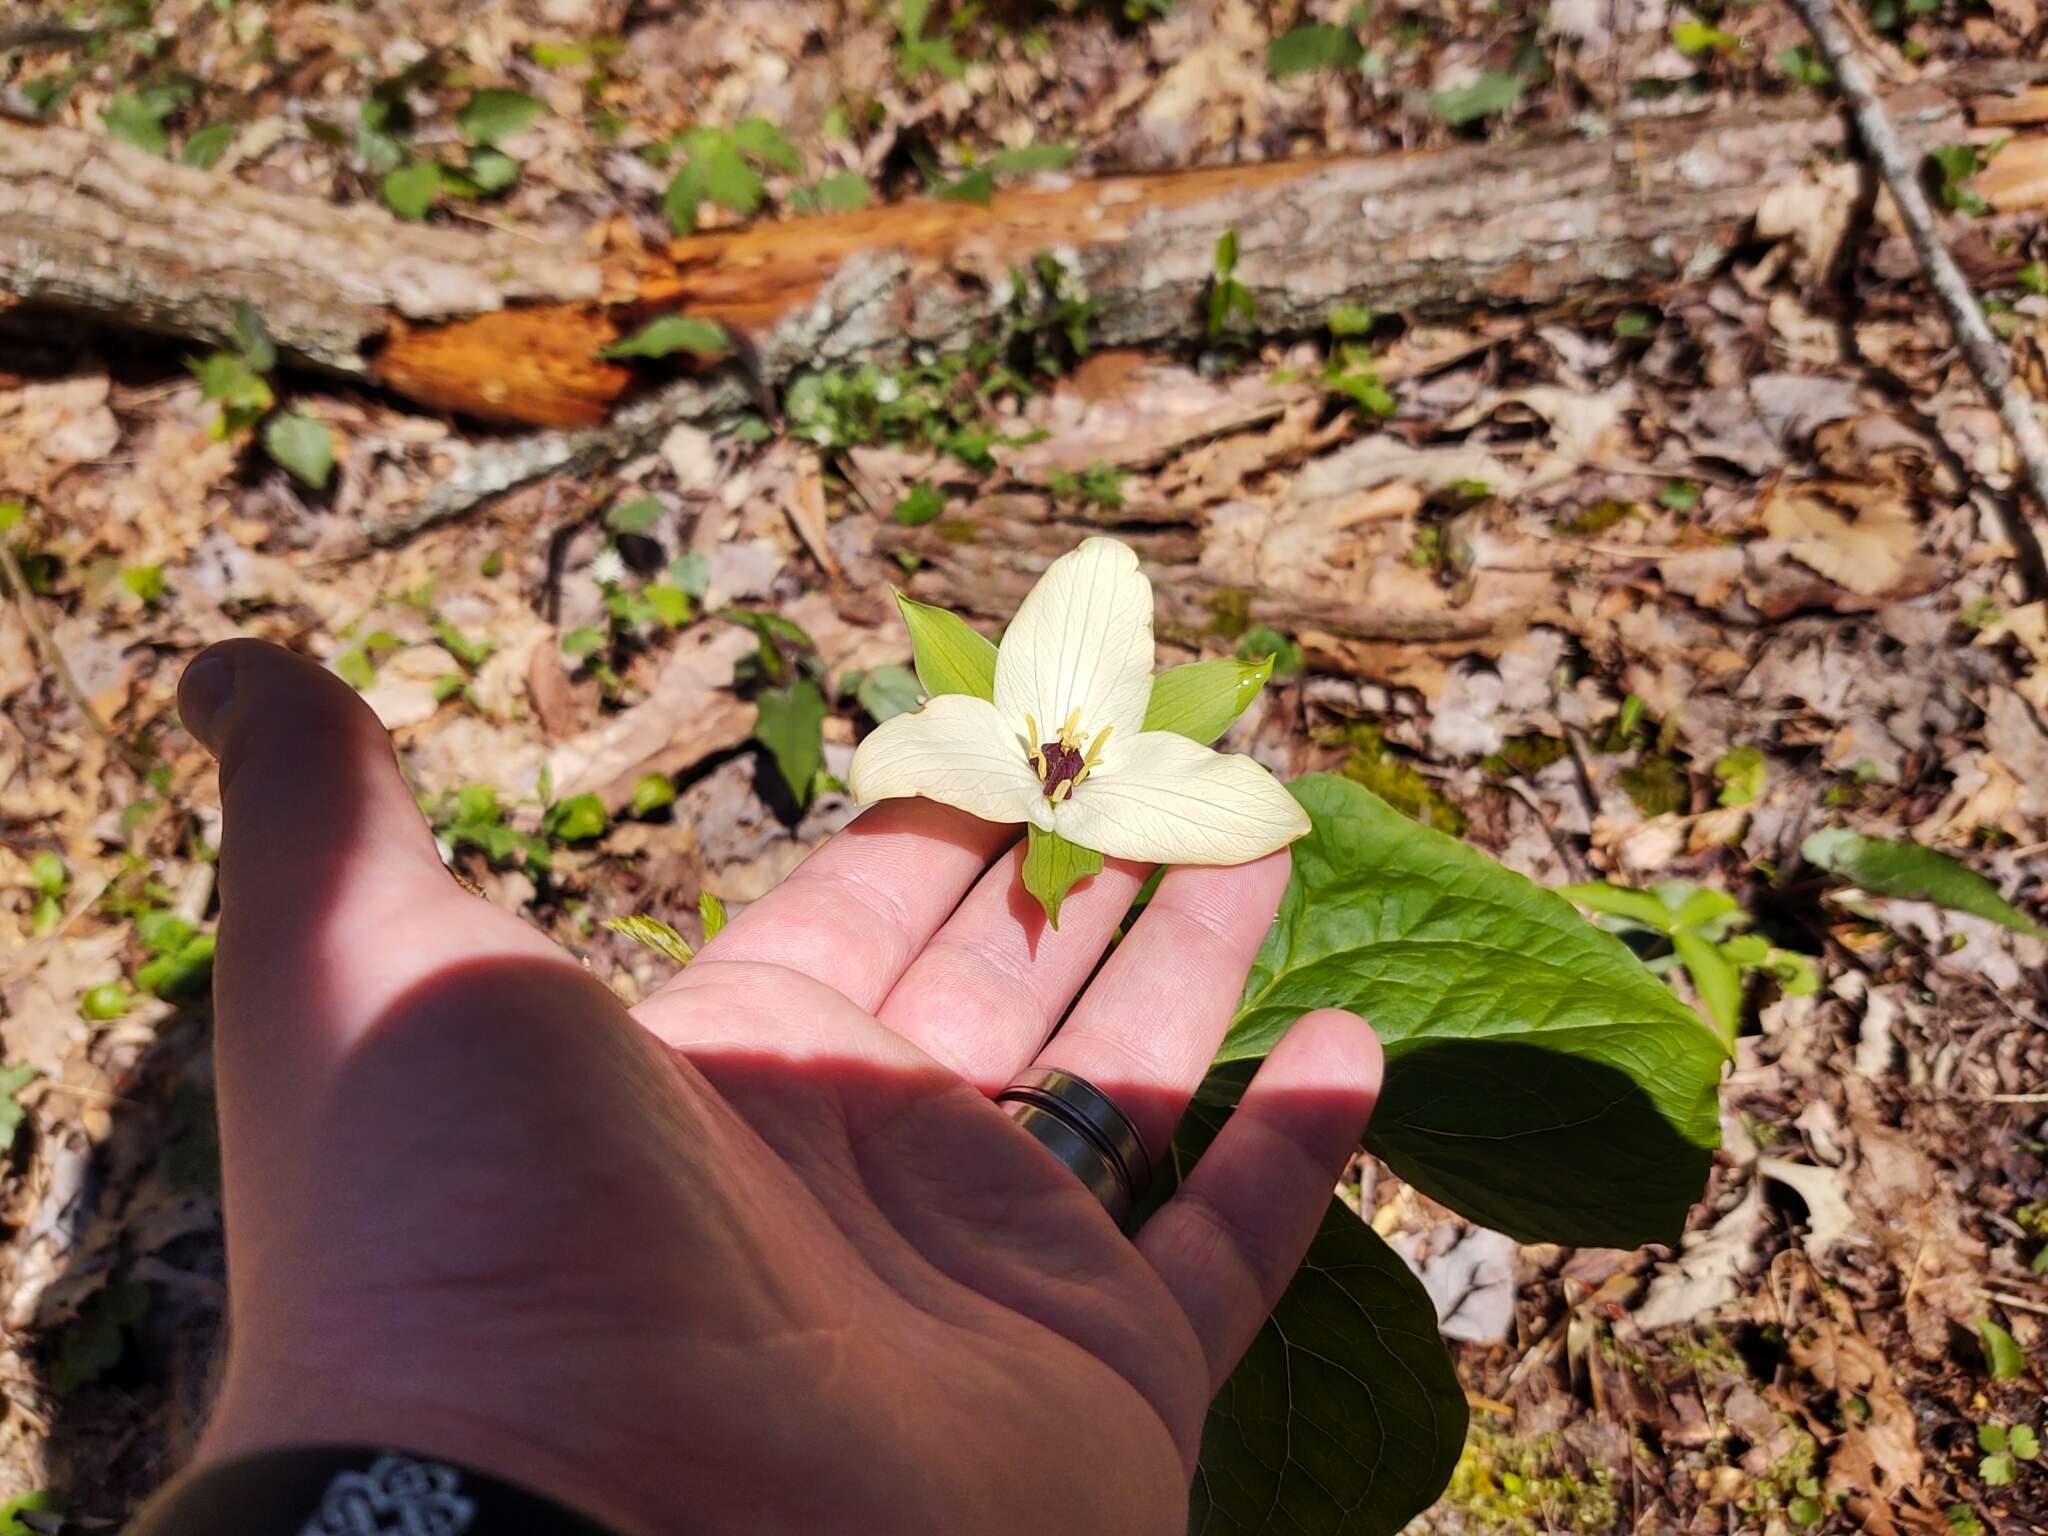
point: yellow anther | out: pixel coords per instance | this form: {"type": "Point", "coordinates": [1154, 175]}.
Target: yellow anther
{"type": "Point", "coordinates": [1095, 749]}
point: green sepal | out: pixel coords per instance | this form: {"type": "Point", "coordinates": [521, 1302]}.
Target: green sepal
{"type": "Point", "coordinates": [1052, 866]}
{"type": "Point", "coordinates": [950, 657]}
{"type": "Point", "coordinates": [1200, 700]}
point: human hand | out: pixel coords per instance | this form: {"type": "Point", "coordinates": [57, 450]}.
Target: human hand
{"type": "Point", "coordinates": [761, 1254]}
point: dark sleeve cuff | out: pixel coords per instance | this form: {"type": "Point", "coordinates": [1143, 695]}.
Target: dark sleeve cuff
{"type": "Point", "coordinates": [351, 1491]}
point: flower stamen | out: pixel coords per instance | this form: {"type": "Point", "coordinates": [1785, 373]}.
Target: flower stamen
{"type": "Point", "coordinates": [1066, 760]}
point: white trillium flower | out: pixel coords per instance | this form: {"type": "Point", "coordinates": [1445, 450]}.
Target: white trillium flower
{"type": "Point", "coordinates": [1062, 745]}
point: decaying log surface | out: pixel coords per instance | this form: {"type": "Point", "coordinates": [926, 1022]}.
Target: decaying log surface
{"type": "Point", "coordinates": [92, 224]}
{"type": "Point", "coordinates": [506, 329]}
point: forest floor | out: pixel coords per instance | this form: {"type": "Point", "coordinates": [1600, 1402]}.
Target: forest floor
{"type": "Point", "coordinates": [1712, 568]}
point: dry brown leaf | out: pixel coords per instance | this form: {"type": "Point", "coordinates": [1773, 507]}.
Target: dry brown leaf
{"type": "Point", "coordinates": [1858, 536]}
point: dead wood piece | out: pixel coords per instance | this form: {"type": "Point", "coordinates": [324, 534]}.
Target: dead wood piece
{"type": "Point", "coordinates": [89, 223]}
{"type": "Point", "coordinates": [505, 328]}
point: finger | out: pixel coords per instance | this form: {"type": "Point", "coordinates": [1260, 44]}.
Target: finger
{"type": "Point", "coordinates": [1231, 1237]}
{"type": "Point", "coordinates": [856, 912]}
{"type": "Point", "coordinates": [996, 978]}
{"type": "Point", "coordinates": [324, 859]}
{"type": "Point", "coordinates": [1147, 1029]}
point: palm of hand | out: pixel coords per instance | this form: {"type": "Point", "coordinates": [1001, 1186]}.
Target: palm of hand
{"type": "Point", "coordinates": [761, 1254]}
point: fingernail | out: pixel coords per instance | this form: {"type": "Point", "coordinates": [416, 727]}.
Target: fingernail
{"type": "Point", "coordinates": [203, 695]}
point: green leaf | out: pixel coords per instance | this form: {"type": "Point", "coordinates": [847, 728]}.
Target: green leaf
{"type": "Point", "coordinates": [888, 691]}
{"type": "Point", "coordinates": [692, 572]}
{"type": "Point", "coordinates": [12, 1081]}
{"type": "Point", "coordinates": [1639, 907]}
{"type": "Point", "coordinates": [652, 791]}
{"type": "Point", "coordinates": [950, 657]}
{"type": "Point", "coordinates": [840, 192]}
{"type": "Point", "coordinates": [301, 445]}
{"type": "Point", "coordinates": [1996, 1471]}
{"type": "Point", "coordinates": [576, 819]}
{"type": "Point", "coordinates": [410, 190]}
{"type": "Point", "coordinates": [1693, 38]}
{"type": "Point", "coordinates": [2023, 1442]}
{"type": "Point", "coordinates": [1991, 1438]}
{"type": "Point", "coordinates": [46, 872]}
{"type": "Point", "coordinates": [1201, 699]}
{"type": "Point", "coordinates": [761, 140]}
{"type": "Point", "coordinates": [1494, 91]}
{"type": "Point", "coordinates": [207, 145]}
{"type": "Point", "coordinates": [712, 912]}
{"type": "Point", "coordinates": [581, 642]}
{"type": "Point", "coordinates": [1053, 866]}
{"type": "Point", "coordinates": [729, 180]}
{"type": "Point", "coordinates": [1678, 495]}
{"type": "Point", "coordinates": [2002, 1354]}
{"type": "Point", "coordinates": [978, 186]}
{"type": "Point", "coordinates": [635, 516]}
{"type": "Point", "coordinates": [1741, 771]}
{"type": "Point", "coordinates": [138, 118]}
{"type": "Point", "coordinates": [1539, 1079]}
{"type": "Point", "coordinates": [1313, 47]}
{"type": "Point", "coordinates": [920, 505]}
{"type": "Point", "coordinates": [1351, 320]}
{"type": "Point", "coordinates": [491, 115]}
{"type": "Point", "coordinates": [1714, 977]}
{"type": "Point", "coordinates": [655, 934]}
{"type": "Point", "coordinates": [671, 605]}
{"type": "Point", "coordinates": [790, 723]}
{"type": "Point", "coordinates": [1029, 159]}
{"type": "Point", "coordinates": [108, 1000]}
{"type": "Point", "coordinates": [679, 202]}
{"type": "Point", "coordinates": [227, 379]}
{"type": "Point", "coordinates": [672, 333]}
{"type": "Point", "coordinates": [1913, 873]}
{"type": "Point", "coordinates": [492, 170]}
{"type": "Point", "coordinates": [1345, 1417]}
{"type": "Point", "coordinates": [10, 1512]}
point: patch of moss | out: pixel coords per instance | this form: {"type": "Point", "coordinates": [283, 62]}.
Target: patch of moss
{"type": "Point", "coordinates": [1509, 1486]}
{"type": "Point", "coordinates": [1657, 784]}
{"type": "Point", "coordinates": [1597, 518]}
{"type": "Point", "coordinates": [1230, 612]}
{"type": "Point", "coordinates": [1527, 755]}
{"type": "Point", "coordinates": [1396, 781]}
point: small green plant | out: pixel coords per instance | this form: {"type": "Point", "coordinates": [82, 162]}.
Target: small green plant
{"type": "Point", "coordinates": [1261, 641]}
{"type": "Point", "coordinates": [1494, 92]}
{"type": "Point", "coordinates": [49, 878]}
{"type": "Point", "coordinates": [1741, 772]}
{"type": "Point", "coordinates": [1694, 38]}
{"type": "Point", "coordinates": [1957, 164]}
{"type": "Point", "coordinates": [1099, 484]}
{"type": "Point", "coordinates": [1313, 47]}
{"type": "Point", "coordinates": [2005, 1448]}
{"type": "Point", "coordinates": [235, 379]}
{"type": "Point", "coordinates": [721, 165]}
{"type": "Point", "coordinates": [2004, 1360]}
{"type": "Point", "coordinates": [1678, 495]}
{"type": "Point", "coordinates": [784, 675]}
{"type": "Point", "coordinates": [1351, 370]}
{"type": "Point", "coordinates": [1803, 65]}
{"type": "Point", "coordinates": [1701, 927]}
{"type": "Point", "coordinates": [1231, 308]}
{"type": "Point", "coordinates": [917, 54]}
{"type": "Point", "coordinates": [95, 1342]}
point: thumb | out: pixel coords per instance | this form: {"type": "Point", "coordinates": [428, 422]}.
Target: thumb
{"type": "Point", "coordinates": [334, 899]}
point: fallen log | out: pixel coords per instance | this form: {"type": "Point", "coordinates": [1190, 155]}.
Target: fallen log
{"type": "Point", "coordinates": [506, 329]}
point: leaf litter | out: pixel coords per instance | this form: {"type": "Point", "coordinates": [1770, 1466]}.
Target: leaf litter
{"type": "Point", "coordinates": [1583, 559]}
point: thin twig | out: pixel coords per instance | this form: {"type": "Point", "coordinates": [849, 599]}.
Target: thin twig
{"type": "Point", "coordinates": [25, 602]}
{"type": "Point", "coordinates": [1980, 349]}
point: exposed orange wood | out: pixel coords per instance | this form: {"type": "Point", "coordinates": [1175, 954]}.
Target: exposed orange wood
{"type": "Point", "coordinates": [535, 366]}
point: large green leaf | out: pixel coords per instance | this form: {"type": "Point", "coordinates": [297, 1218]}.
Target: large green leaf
{"type": "Point", "coordinates": [1909, 871]}
{"type": "Point", "coordinates": [1345, 1416]}
{"type": "Point", "coordinates": [1539, 1080]}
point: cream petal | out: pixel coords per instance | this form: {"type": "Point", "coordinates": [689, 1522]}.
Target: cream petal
{"type": "Point", "coordinates": [1163, 799]}
{"type": "Point", "coordinates": [954, 749]}
{"type": "Point", "coordinates": [1081, 641]}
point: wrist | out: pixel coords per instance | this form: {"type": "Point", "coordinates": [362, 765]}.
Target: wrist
{"type": "Point", "coordinates": [317, 1490]}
